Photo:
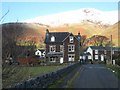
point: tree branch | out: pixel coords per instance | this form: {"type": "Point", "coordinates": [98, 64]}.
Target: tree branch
{"type": "Point", "coordinates": [4, 15]}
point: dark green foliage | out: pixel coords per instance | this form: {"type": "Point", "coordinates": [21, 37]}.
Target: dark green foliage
{"type": "Point", "coordinates": [117, 61]}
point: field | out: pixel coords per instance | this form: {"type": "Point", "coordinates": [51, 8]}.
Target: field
{"type": "Point", "coordinates": [15, 74]}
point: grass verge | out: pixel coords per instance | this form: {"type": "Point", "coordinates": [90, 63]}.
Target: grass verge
{"type": "Point", "coordinates": [70, 82]}
{"type": "Point", "coordinates": [15, 74]}
{"type": "Point", "coordinates": [66, 81]}
{"type": "Point", "coordinates": [115, 68]}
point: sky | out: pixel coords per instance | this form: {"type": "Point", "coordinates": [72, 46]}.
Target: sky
{"type": "Point", "coordinates": [19, 11]}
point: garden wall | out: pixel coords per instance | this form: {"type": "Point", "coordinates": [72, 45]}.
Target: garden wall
{"type": "Point", "coordinates": [45, 80]}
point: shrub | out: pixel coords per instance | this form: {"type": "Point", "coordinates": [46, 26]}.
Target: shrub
{"type": "Point", "coordinates": [117, 61]}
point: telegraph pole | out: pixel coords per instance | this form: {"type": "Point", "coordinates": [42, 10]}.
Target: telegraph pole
{"type": "Point", "coordinates": [111, 48]}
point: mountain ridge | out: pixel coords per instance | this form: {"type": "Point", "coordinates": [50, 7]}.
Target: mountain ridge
{"type": "Point", "coordinates": [77, 16]}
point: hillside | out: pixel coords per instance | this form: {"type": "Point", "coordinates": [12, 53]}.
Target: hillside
{"type": "Point", "coordinates": [87, 21]}
{"type": "Point", "coordinates": [23, 32]}
{"type": "Point", "coordinates": [34, 32]}
{"type": "Point", "coordinates": [20, 39]}
{"type": "Point", "coordinates": [88, 29]}
{"type": "Point", "coordinates": [113, 30]}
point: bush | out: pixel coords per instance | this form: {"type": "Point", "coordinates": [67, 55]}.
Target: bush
{"type": "Point", "coordinates": [101, 62]}
{"type": "Point", "coordinates": [117, 61]}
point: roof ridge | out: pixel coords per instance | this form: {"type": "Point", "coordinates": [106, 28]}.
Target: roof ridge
{"type": "Point", "coordinates": [58, 32]}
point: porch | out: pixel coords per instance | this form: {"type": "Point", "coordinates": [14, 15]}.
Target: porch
{"type": "Point", "coordinates": [54, 57]}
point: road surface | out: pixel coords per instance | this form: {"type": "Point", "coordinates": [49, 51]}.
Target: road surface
{"type": "Point", "coordinates": [95, 76]}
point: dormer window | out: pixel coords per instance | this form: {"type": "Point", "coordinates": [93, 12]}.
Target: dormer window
{"type": "Point", "coordinates": [52, 39]}
{"type": "Point", "coordinates": [52, 48]}
{"type": "Point", "coordinates": [105, 52]}
{"type": "Point", "coordinates": [71, 39]}
{"type": "Point", "coordinates": [112, 51]}
{"type": "Point", "coordinates": [61, 48]}
{"type": "Point", "coordinates": [96, 51]}
{"type": "Point", "coordinates": [79, 37]}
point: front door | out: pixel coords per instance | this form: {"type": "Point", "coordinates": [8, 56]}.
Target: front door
{"type": "Point", "coordinates": [102, 57]}
{"type": "Point", "coordinates": [61, 59]}
{"type": "Point", "coordinates": [71, 57]}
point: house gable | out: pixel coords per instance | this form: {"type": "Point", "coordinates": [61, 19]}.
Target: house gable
{"type": "Point", "coordinates": [38, 53]}
{"type": "Point", "coordinates": [70, 35]}
{"type": "Point", "coordinates": [71, 49]}
{"type": "Point", "coordinates": [89, 50]}
{"type": "Point", "coordinates": [55, 37]}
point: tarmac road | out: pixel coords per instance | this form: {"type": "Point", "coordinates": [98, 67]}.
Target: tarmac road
{"type": "Point", "coordinates": [95, 76]}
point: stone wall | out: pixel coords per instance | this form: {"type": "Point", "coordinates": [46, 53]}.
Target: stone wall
{"type": "Point", "coordinates": [45, 80]}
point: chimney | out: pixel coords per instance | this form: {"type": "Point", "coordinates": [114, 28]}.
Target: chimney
{"type": "Point", "coordinates": [47, 32]}
{"type": "Point", "coordinates": [79, 36]}
{"type": "Point", "coordinates": [79, 33]}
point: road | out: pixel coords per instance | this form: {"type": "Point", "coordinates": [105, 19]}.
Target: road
{"type": "Point", "coordinates": [95, 76]}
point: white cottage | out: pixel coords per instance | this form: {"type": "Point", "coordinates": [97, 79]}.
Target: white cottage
{"type": "Point", "coordinates": [40, 52]}
{"type": "Point", "coordinates": [97, 52]}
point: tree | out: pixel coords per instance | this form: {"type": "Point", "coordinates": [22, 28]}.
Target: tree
{"type": "Point", "coordinates": [3, 17]}
{"type": "Point", "coordinates": [83, 39]}
{"type": "Point", "coordinates": [97, 40]}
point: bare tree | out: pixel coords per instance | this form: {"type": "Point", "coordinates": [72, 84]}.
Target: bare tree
{"type": "Point", "coordinates": [83, 39]}
{"type": "Point", "coordinates": [3, 17]}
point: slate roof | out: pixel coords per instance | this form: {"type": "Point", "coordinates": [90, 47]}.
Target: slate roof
{"type": "Point", "coordinates": [77, 37]}
{"type": "Point", "coordinates": [42, 50]}
{"type": "Point", "coordinates": [113, 48]}
{"type": "Point", "coordinates": [85, 53]}
{"type": "Point", "coordinates": [97, 47]}
{"type": "Point", "coordinates": [59, 36]}
{"type": "Point", "coordinates": [88, 53]}
{"type": "Point", "coordinates": [105, 48]}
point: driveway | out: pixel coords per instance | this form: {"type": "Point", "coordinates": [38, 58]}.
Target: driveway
{"type": "Point", "coordinates": [95, 76]}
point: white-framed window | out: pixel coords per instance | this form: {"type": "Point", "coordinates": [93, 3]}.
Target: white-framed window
{"type": "Point", "coordinates": [113, 52]}
{"type": "Point", "coordinates": [52, 59]}
{"type": "Point", "coordinates": [61, 48]}
{"type": "Point", "coordinates": [38, 53]}
{"type": "Point", "coordinates": [81, 57]}
{"type": "Point", "coordinates": [84, 57]}
{"type": "Point", "coordinates": [43, 54]}
{"type": "Point", "coordinates": [52, 39]}
{"type": "Point", "coordinates": [89, 57]}
{"type": "Point", "coordinates": [71, 48]}
{"type": "Point", "coordinates": [96, 51]}
{"type": "Point", "coordinates": [96, 56]}
{"type": "Point", "coordinates": [105, 52]}
{"type": "Point", "coordinates": [71, 57]}
{"type": "Point", "coordinates": [52, 48]}
{"type": "Point", "coordinates": [71, 39]}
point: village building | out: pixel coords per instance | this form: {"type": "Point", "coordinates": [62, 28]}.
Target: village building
{"type": "Point", "coordinates": [100, 53]}
{"type": "Point", "coordinates": [62, 47]}
{"type": "Point", "coordinates": [40, 53]}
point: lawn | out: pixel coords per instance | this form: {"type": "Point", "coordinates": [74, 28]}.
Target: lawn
{"type": "Point", "coordinates": [115, 68]}
{"type": "Point", "coordinates": [15, 74]}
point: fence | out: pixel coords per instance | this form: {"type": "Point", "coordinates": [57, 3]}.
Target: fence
{"type": "Point", "coordinates": [45, 80]}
